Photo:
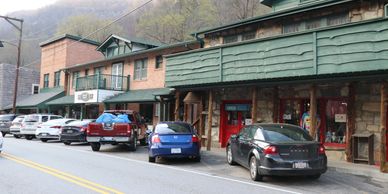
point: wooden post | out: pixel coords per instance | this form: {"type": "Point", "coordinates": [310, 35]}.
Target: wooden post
{"type": "Point", "coordinates": [313, 112]}
{"type": "Point", "coordinates": [275, 116]}
{"type": "Point", "coordinates": [209, 122]}
{"type": "Point", "coordinates": [176, 112]}
{"type": "Point", "coordinates": [200, 109]}
{"type": "Point", "coordinates": [383, 129]}
{"type": "Point", "coordinates": [351, 114]}
{"type": "Point", "coordinates": [254, 105]}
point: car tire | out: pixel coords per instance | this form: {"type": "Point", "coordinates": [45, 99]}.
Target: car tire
{"type": "Point", "coordinates": [229, 155]}
{"type": "Point", "coordinates": [133, 145]}
{"type": "Point", "coordinates": [143, 142]}
{"type": "Point", "coordinates": [253, 170]}
{"type": "Point", "coordinates": [197, 159]}
{"type": "Point", "coordinates": [95, 146]}
{"type": "Point", "coordinates": [3, 133]}
{"type": "Point", "coordinates": [151, 159]}
{"type": "Point", "coordinates": [67, 142]}
{"type": "Point", "coordinates": [314, 177]}
{"type": "Point", "coordinates": [29, 137]}
{"type": "Point", "coordinates": [17, 136]}
{"type": "Point", "coordinates": [44, 140]}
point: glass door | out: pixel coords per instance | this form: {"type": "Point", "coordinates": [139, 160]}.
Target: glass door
{"type": "Point", "coordinates": [117, 79]}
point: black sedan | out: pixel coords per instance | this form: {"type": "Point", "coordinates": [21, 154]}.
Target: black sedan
{"type": "Point", "coordinates": [276, 150]}
{"type": "Point", "coordinates": [74, 131]}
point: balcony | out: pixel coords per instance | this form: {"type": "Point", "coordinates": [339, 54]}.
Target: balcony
{"type": "Point", "coordinates": [348, 49]}
{"type": "Point", "coordinates": [103, 82]}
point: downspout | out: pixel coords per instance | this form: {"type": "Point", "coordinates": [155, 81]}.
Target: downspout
{"type": "Point", "coordinates": [200, 40]}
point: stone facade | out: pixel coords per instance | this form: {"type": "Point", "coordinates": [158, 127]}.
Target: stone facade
{"type": "Point", "coordinates": [27, 77]}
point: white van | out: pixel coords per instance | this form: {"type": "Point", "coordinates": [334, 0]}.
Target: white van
{"type": "Point", "coordinates": [31, 123]}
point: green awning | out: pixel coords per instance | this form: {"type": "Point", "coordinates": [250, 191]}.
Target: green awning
{"type": "Point", "coordinates": [66, 100]}
{"type": "Point", "coordinates": [38, 100]}
{"type": "Point", "coordinates": [147, 95]}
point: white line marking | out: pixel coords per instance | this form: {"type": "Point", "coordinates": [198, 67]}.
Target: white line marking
{"type": "Point", "coordinates": [176, 168]}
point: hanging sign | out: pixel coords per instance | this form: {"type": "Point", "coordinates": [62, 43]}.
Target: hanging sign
{"type": "Point", "coordinates": [340, 118]}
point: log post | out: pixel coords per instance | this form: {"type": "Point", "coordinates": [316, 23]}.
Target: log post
{"type": "Point", "coordinates": [209, 122]}
{"type": "Point", "coordinates": [313, 112]}
{"type": "Point", "coordinates": [351, 114]}
{"type": "Point", "coordinates": [254, 105]}
{"type": "Point", "coordinates": [176, 112]}
{"type": "Point", "coordinates": [275, 111]}
{"type": "Point", "coordinates": [383, 129]}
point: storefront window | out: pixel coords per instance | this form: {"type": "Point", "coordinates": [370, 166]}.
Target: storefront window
{"type": "Point", "coordinates": [291, 114]}
{"type": "Point", "coordinates": [336, 118]}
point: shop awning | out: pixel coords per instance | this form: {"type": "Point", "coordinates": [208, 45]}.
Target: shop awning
{"type": "Point", "coordinates": [134, 96]}
{"type": "Point", "coordinates": [66, 100]}
{"type": "Point", "coordinates": [38, 100]}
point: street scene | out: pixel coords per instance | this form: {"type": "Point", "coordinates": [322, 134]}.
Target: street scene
{"type": "Point", "coordinates": [194, 96]}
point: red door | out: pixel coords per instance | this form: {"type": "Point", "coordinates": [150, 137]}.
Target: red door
{"type": "Point", "coordinates": [233, 117]}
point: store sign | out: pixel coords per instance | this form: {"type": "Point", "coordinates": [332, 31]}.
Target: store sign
{"type": "Point", "coordinates": [85, 96]}
{"type": "Point", "coordinates": [286, 116]}
{"type": "Point", "coordinates": [340, 118]}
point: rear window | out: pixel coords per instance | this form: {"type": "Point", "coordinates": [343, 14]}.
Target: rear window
{"type": "Point", "coordinates": [285, 134]}
{"type": "Point", "coordinates": [6, 117]}
{"type": "Point", "coordinates": [168, 128]}
{"type": "Point", "coordinates": [18, 119]}
{"type": "Point", "coordinates": [55, 117]}
{"type": "Point", "coordinates": [31, 118]}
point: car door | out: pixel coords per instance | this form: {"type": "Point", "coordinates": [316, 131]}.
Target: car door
{"type": "Point", "coordinates": [241, 139]}
{"type": "Point", "coordinates": [246, 143]}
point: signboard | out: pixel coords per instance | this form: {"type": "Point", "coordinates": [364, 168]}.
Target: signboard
{"type": "Point", "coordinates": [286, 116]}
{"type": "Point", "coordinates": [86, 96]}
{"type": "Point", "coordinates": [340, 118]}
{"type": "Point", "coordinates": [248, 121]}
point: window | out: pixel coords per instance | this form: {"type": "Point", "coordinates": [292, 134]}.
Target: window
{"type": "Point", "coordinates": [112, 51]}
{"type": "Point", "coordinates": [46, 80]}
{"type": "Point", "coordinates": [140, 69]}
{"type": "Point", "coordinates": [98, 70]}
{"type": "Point", "coordinates": [248, 36]}
{"type": "Point", "coordinates": [35, 88]}
{"type": "Point", "coordinates": [338, 19]}
{"type": "Point", "coordinates": [86, 72]}
{"type": "Point", "coordinates": [57, 78]}
{"type": "Point", "coordinates": [157, 110]}
{"type": "Point", "coordinates": [45, 119]}
{"type": "Point", "coordinates": [312, 24]}
{"type": "Point", "coordinates": [158, 62]}
{"type": "Point", "coordinates": [75, 76]}
{"type": "Point", "coordinates": [117, 78]}
{"type": "Point", "coordinates": [230, 39]}
{"type": "Point", "coordinates": [292, 27]}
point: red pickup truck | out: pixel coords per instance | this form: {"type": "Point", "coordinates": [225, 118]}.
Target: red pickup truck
{"type": "Point", "coordinates": [115, 133]}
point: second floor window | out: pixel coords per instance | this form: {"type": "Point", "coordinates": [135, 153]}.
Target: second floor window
{"type": "Point", "coordinates": [86, 72]}
{"type": "Point", "coordinates": [140, 69]}
{"type": "Point", "coordinates": [46, 80]}
{"type": "Point", "coordinates": [230, 39]}
{"type": "Point", "coordinates": [98, 70]}
{"type": "Point", "coordinates": [57, 78]}
{"type": "Point", "coordinates": [75, 76]}
{"type": "Point", "coordinates": [248, 36]}
{"type": "Point", "coordinates": [158, 62]}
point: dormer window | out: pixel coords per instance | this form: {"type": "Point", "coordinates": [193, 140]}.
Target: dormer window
{"type": "Point", "coordinates": [112, 51]}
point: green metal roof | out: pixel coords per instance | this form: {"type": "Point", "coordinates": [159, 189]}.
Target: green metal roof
{"type": "Point", "coordinates": [37, 100]}
{"type": "Point", "coordinates": [282, 13]}
{"type": "Point", "coordinates": [134, 53]}
{"type": "Point", "coordinates": [62, 101]}
{"type": "Point", "coordinates": [73, 37]}
{"type": "Point", "coordinates": [147, 95]}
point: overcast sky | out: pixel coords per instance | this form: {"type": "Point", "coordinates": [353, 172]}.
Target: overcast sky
{"type": "Point", "coordinates": [8, 6]}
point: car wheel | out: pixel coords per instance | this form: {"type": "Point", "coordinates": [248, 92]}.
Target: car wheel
{"type": "Point", "coordinates": [229, 156]}
{"type": "Point", "coordinates": [29, 137]}
{"type": "Point", "coordinates": [3, 133]}
{"type": "Point", "coordinates": [197, 159]}
{"type": "Point", "coordinates": [314, 177]}
{"type": "Point", "coordinates": [143, 142]}
{"type": "Point", "coordinates": [151, 159]}
{"type": "Point", "coordinates": [95, 146]}
{"type": "Point", "coordinates": [67, 142]}
{"type": "Point", "coordinates": [43, 140]}
{"type": "Point", "coordinates": [17, 136]}
{"type": "Point", "coordinates": [133, 145]}
{"type": "Point", "coordinates": [253, 169]}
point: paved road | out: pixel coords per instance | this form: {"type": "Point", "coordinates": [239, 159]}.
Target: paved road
{"type": "Point", "coordinates": [36, 167]}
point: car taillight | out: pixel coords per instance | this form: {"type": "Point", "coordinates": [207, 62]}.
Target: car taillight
{"type": "Point", "coordinates": [83, 129]}
{"type": "Point", "coordinates": [55, 127]}
{"type": "Point", "coordinates": [194, 139]}
{"type": "Point", "coordinates": [155, 139]}
{"type": "Point", "coordinates": [270, 150]}
{"type": "Point", "coordinates": [321, 149]}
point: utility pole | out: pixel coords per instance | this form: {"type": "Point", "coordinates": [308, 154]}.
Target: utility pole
{"type": "Point", "coordinates": [20, 29]}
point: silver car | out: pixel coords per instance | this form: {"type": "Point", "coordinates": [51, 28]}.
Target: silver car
{"type": "Point", "coordinates": [5, 123]}
{"type": "Point", "coordinates": [16, 125]}
{"type": "Point", "coordinates": [31, 123]}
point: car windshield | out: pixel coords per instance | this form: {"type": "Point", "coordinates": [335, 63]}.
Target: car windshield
{"type": "Point", "coordinates": [285, 134]}
{"type": "Point", "coordinates": [31, 118]}
{"type": "Point", "coordinates": [6, 117]}
{"type": "Point", "coordinates": [168, 128]}
{"type": "Point", "coordinates": [18, 119]}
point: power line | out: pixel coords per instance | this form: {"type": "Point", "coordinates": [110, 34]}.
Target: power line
{"type": "Point", "coordinates": [83, 38]}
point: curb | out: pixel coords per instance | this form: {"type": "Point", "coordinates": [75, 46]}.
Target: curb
{"type": "Point", "coordinates": [373, 174]}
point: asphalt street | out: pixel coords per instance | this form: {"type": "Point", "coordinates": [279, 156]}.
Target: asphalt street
{"type": "Point", "coordinates": [36, 167]}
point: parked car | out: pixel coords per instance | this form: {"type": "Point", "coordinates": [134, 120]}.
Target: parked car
{"type": "Point", "coordinates": [276, 149]}
{"type": "Point", "coordinates": [1, 142]}
{"type": "Point", "coordinates": [15, 126]}
{"type": "Point", "coordinates": [31, 123]}
{"type": "Point", "coordinates": [74, 131]}
{"type": "Point", "coordinates": [173, 140]}
{"type": "Point", "coordinates": [114, 133]}
{"type": "Point", "coordinates": [50, 130]}
{"type": "Point", "coordinates": [5, 123]}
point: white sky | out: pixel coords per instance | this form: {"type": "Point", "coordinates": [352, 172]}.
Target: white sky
{"type": "Point", "coordinates": [8, 6]}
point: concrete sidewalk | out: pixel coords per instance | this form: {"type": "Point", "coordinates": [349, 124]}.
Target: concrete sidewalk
{"type": "Point", "coordinates": [334, 165]}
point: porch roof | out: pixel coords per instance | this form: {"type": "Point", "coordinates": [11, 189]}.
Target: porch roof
{"type": "Point", "coordinates": [38, 100]}
{"type": "Point", "coordinates": [147, 95]}
{"type": "Point", "coordinates": [65, 100]}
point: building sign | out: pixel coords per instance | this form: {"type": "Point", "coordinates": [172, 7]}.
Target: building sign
{"type": "Point", "coordinates": [86, 96]}
{"type": "Point", "coordinates": [287, 116]}
{"type": "Point", "coordinates": [340, 118]}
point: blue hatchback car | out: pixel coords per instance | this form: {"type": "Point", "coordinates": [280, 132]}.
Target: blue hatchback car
{"type": "Point", "coordinates": [173, 140]}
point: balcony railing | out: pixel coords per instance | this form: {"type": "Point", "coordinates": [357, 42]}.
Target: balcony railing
{"type": "Point", "coordinates": [103, 82]}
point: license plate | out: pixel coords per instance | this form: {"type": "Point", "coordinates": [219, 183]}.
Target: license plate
{"type": "Point", "coordinates": [300, 165]}
{"type": "Point", "coordinates": [44, 134]}
{"type": "Point", "coordinates": [69, 131]}
{"type": "Point", "coordinates": [107, 138]}
{"type": "Point", "coordinates": [176, 150]}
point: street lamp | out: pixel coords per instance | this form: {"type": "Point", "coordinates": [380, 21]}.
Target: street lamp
{"type": "Point", "coordinates": [20, 29]}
